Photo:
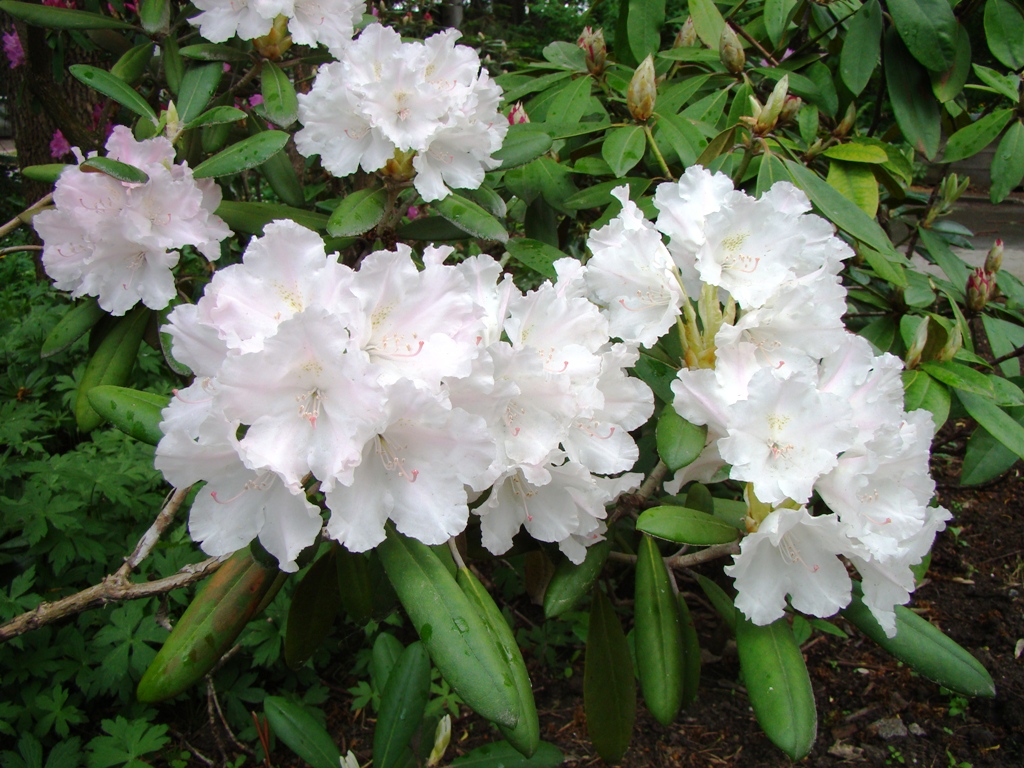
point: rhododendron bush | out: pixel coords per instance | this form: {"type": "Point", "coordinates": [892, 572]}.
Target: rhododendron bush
{"type": "Point", "coordinates": [426, 308]}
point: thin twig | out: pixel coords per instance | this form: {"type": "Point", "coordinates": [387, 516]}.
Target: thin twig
{"type": "Point", "coordinates": [156, 530]}
{"type": "Point", "coordinates": [212, 693]}
{"type": "Point", "coordinates": [653, 481]}
{"type": "Point", "coordinates": [18, 220]}
{"type": "Point", "coordinates": [199, 755]}
{"type": "Point", "coordinates": [686, 561]}
{"type": "Point", "coordinates": [18, 248]}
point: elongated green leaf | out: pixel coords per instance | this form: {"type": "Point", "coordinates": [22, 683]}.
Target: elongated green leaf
{"type": "Point", "coordinates": [777, 14]}
{"type": "Point", "coordinates": [314, 607]}
{"type": "Point", "coordinates": [778, 685]}
{"type": "Point", "coordinates": [658, 635]}
{"type": "Point", "coordinates": [386, 651]}
{"type": "Point", "coordinates": [565, 54]}
{"type": "Point", "coordinates": [680, 443]}
{"type": "Point", "coordinates": [458, 640]}
{"type": "Point", "coordinates": [471, 218]}
{"type": "Point", "coordinates": [112, 86]}
{"type": "Point", "coordinates": [47, 173]}
{"type": "Point", "coordinates": [718, 146]}
{"type": "Point", "coordinates": [720, 600]}
{"type": "Point", "coordinates": [949, 84]}
{"type": "Point", "coordinates": [643, 25]}
{"type": "Point", "coordinates": [60, 18]}
{"type": "Point", "coordinates": [174, 67]}
{"type": "Point", "coordinates": [538, 256]}
{"type": "Point", "coordinates": [928, 28]}
{"type": "Point", "coordinates": [884, 268]}
{"type": "Point", "coordinates": [570, 582]}
{"type": "Point", "coordinates": [133, 412]}
{"type": "Point", "coordinates": [432, 229]}
{"type": "Point", "coordinates": [600, 195]}
{"type": "Point", "coordinates": [685, 526]}
{"type": "Point", "coordinates": [573, 101]}
{"type": "Point", "coordinates": [155, 15]}
{"type": "Point", "coordinates": [707, 21]}
{"type": "Point", "coordinates": [856, 182]}
{"type": "Point", "coordinates": [357, 213]}
{"type": "Point", "coordinates": [523, 142]}
{"type": "Point", "coordinates": [1004, 32]}
{"type": "Point", "coordinates": [770, 171]}
{"type": "Point", "coordinates": [212, 52]}
{"type": "Point", "coordinates": [279, 97]}
{"type": "Point", "coordinates": [960, 377]}
{"type": "Point", "coordinates": [279, 171]}
{"type": "Point", "coordinates": [246, 154]}
{"type": "Point", "coordinates": [208, 628]}
{"type": "Point", "coordinates": [525, 737]}
{"type": "Point", "coordinates": [217, 116]}
{"type": "Point", "coordinates": [691, 654]}
{"type": "Point", "coordinates": [623, 148]}
{"type": "Point", "coordinates": [115, 169]}
{"type": "Point", "coordinates": [973, 138]}
{"type": "Point", "coordinates": [995, 420]}
{"type": "Point", "coordinates": [917, 112]}
{"type": "Point", "coordinates": [111, 363]}
{"type": "Point", "coordinates": [855, 152]}
{"type": "Point", "coordinates": [924, 648]}
{"type": "Point", "coordinates": [1006, 85]}
{"type": "Point", "coordinates": [986, 458]}
{"type": "Point", "coordinates": [922, 391]}
{"type": "Point", "coordinates": [197, 88]}
{"type": "Point", "coordinates": [1008, 164]}
{"type": "Point", "coordinates": [402, 705]}
{"type": "Point", "coordinates": [678, 136]}
{"type": "Point", "coordinates": [300, 731]}
{"type": "Point", "coordinates": [133, 63]}
{"type": "Point", "coordinates": [609, 692]}
{"type": "Point", "coordinates": [501, 754]}
{"type": "Point", "coordinates": [73, 326]}
{"type": "Point", "coordinates": [251, 218]}
{"type": "Point", "coordinates": [365, 590]}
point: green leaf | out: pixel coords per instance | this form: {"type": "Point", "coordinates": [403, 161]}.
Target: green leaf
{"type": "Point", "coordinates": [114, 169]}
{"type": "Point", "coordinates": [60, 18]}
{"type": "Point", "coordinates": [217, 116]}
{"type": "Point", "coordinates": [457, 638]}
{"type": "Point", "coordinates": [570, 581]}
{"type": "Point", "coordinates": [301, 732]}
{"type": "Point", "coordinates": [246, 154]}
{"type": "Point", "coordinates": [572, 102]}
{"type": "Point", "coordinates": [198, 85]}
{"type": "Point", "coordinates": [855, 152]}
{"type": "Point", "coordinates": [136, 413]}
{"type": "Point", "coordinates": [358, 212]}
{"type": "Point", "coordinates": [691, 654]}
{"type": "Point", "coordinates": [884, 268]}
{"type": "Point", "coordinates": [209, 627]}
{"type": "Point", "coordinates": [839, 210]}
{"type": "Point", "coordinates": [599, 195]}
{"type": "Point", "coordinates": [779, 687]}
{"type": "Point", "coordinates": [74, 325]}
{"type": "Point", "coordinates": [720, 600]}
{"type": "Point", "coordinates": [566, 55]}
{"type": "Point", "coordinates": [279, 99]}
{"type": "Point", "coordinates": [949, 84]}
{"type": "Point", "coordinates": [111, 363]}
{"type": "Point", "coordinates": [677, 135]}
{"type": "Point", "coordinates": [155, 15]}
{"type": "Point", "coordinates": [525, 737]}
{"type": "Point", "coordinates": [1004, 32]}
{"type": "Point", "coordinates": [279, 171]}
{"type": "Point", "coordinates": [718, 146]}
{"type": "Point", "coordinates": [430, 228]}
{"type": "Point", "coordinates": [680, 443]}
{"type": "Point", "coordinates": [928, 28]}
{"type": "Point", "coordinates": [1008, 163]}
{"type": "Point", "coordinates": [366, 592]}
{"type": "Point", "coordinates": [658, 635]}
{"type": "Point", "coordinates": [856, 182]}
{"type": "Point", "coordinates": [623, 148]}
{"type": "Point", "coordinates": [685, 526]}
{"type": "Point", "coordinates": [538, 256]}
{"type": "Point", "coordinates": [501, 754]}
{"type": "Point", "coordinates": [923, 648]}
{"type": "Point", "coordinates": [609, 692]}
{"type": "Point", "coordinates": [386, 651]}
{"type": "Point", "coordinates": [133, 63]}
{"type": "Point", "coordinates": [960, 377]}
{"type": "Point", "coordinates": [174, 67]}
{"type": "Point", "coordinates": [707, 21]}
{"type": "Point", "coordinates": [471, 218]}
{"type": "Point", "coordinates": [777, 14]}
{"type": "Point", "coordinates": [111, 85]}
{"type": "Point", "coordinates": [973, 138]}
{"type": "Point", "coordinates": [922, 391]}
{"type": "Point", "coordinates": [402, 705]}
{"type": "Point", "coordinates": [314, 607]}
{"type": "Point", "coordinates": [523, 142]}
{"type": "Point", "coordinates": [212, 52]}
{"type": "Point", "coordinates": [643, 25]}
{"type": "Point", "coordinates": [47, 173]}
{"type": "Point", "coordinates": [995, 420]}
{"type": "Point", "coordinates": [986, 458]}
{"type": "Point", "coordinates": [251, 218]}
{"type": "Point", "coordinates": [952, 266]}
{"type": "Point", "coordinates": [917, 112]}
{"type": "Point", "coordinates": [770, 171]}
{"type": "Point", "coordinates": [1006, 85]}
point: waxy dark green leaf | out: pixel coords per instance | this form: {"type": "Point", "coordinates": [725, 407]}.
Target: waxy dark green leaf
{"type": "Point", "coordinates": [212, 52]}
{"type": "Point", "coordinates": [922, 391]}
{"type": "Point", "coordinates": [777, 14]}
{"type": "Point", "coordinates": [314, 607]}
{"type": "Point", "coordinates": [300, 731]}
{"type": "Point", "coordinates": [960, 377]}
{"type": "Point", "coordinates": [658, 635]}
{"type": "Point", "coordinates": [623, 148]}
{"type": "Point", "coordinates": [471, 218]}
{"type": "Point", "coordinates": [1008, 163]}
{"type": "Point", "coordinates": [928, 28]}
{"type": "Point", "coordinates": [778, 685]}
{"type": "Point", "coordinates": [402, 705]}
{"type": "Point", "coordinates": [155, 15]}
{"type": "Point", "coordinates": [279, 99]}
{"type": "Point", "coordinates": [523, 142]}
{"type": "Point", "coordinates": [251, 218]}
{"type": "Point", "coordinates": [986, 458]}
{"type": "Point", "coordinates": [643, 25]}
{"type": "Point", "coordinates": [691, 654]}
{"type": "Point", "coordinates": [112, 86]}
{"type": "Point", "coordinates": [685, 526]}
{"type": "Point", "coordinates": [358, 212]}
{"type": "Point", "coordinates": [609, 690]}
{"type": "Point", "coordinates": [917, 112]}
{"type": "Point", "coordinates": [111, 363]}
{"type": "Point", "coordinates": [133, 63]}
{"type": "Point", "coordinates": [136, 413]}
{"type": "Point", "coordinates": [570, 581]}
{"type": "Point", "coordinates": [73, 326]}
{"type": "Point", "coordinates": [60, 18]}
{"type": "Point", "coordinates": [538, 256]}
{"type": "Point", "coordinates": [217, 116]}
{"type": "Point", "coordinates": [246, 154]}
{"type": "Point", "coordinates": [973, 138]}
{"type": "Point", "coordinates": [949, 84]}
{"type": "Point", "coordinates": [707, 21]}
{"type": "Point", "coordinates": [998, 422]}
{"type": "Point", "coordinates": [680, 443]}
{"type": "Point", "coordinates": [720, 600]}
{"type": "Point", "coordinates": [1004, 32]}
{"type": "Point", "coordinates": [198, 85]}
{"type": "Point", "coordinates": [115, 169]}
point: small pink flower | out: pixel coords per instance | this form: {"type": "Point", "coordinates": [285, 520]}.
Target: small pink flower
{"type": "Point", "coordinates": [255, 100]}
{"type": "Point", "coordinates": [413, 212]}
{"type": "Point", "coordinates": [227, 67]}
{"type": "Point", "coordinates": [517, 114]}
{"type": "Point", "coordinates": [59, 146]}
{"type": "Point", "coordinates": [427, 18]}
{"type": "Point", "coordinates": [12, 47]}
{"type": "Point", "coordinates": [374, 12]}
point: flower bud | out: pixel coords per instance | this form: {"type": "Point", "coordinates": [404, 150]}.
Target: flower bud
{"type": "Point", "coordinates": [350, 760]}
{"type": "Point", "coordinates": [687, 35]}
{"type": "Point", "coordinates": [790, 109]}
{"type": "Point", "coordinates": [173, 125]}
{"type": "Point", "coordinates": [954, 340]}
{"type": "Point", "coordinates": [399, 167]}
{"type": "Point", "coordinates": [442, 735]}
{"type": "Point", "coordinates": [517, 114]}
{"type": "Point", "coordinates": [847, 123]}
{"type": "Point", "coordinates": [730, 51]}
{"type": "Point", "coordinates": [913, 357]}
{"type": "Point", "coordinates": [994, 260]}
{"type": "Point", "coordinates": [643, 90]}
{"type": "Point", "coordinates": [593, 46]}
{"type": "Point", "coordinates": [980, 286]}
{"type": "Point", "coordinates": [273, 44]}
{"type": "Point", "coordinates": [769, 116]}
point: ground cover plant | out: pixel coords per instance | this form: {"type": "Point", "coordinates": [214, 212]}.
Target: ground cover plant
{"type": "Point", "coordinates": [399, 319]}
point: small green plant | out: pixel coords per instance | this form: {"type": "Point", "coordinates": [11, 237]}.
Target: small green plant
{"type": "Point", "coordinates": [954, 763]}
{"type": "Point", "coordinates": [895, 756]}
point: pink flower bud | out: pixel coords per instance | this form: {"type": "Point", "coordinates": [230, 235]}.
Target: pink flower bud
{"type": "Point", "coordinates": [687, 35]}
{"type": "Point", "coordinates": [59, 146]}
{"type": "Point", "coordinates": [593, 46]}
{"type": "Point", "coordinates": [643, 90]}
{"type": "Point", "coordinates": [12, 47]}
{"type": "Point", "coordinates": [517, 114]}
{"type": "Point", "coordinates": [994, 260]}
{"type": "Point", "coordinates": [979, 289]}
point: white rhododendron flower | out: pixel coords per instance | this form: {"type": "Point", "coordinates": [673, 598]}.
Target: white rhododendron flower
{"type": "Point", "coordinates": [118, 240]}
{"type": "Point", "coordinates": [391, 102]}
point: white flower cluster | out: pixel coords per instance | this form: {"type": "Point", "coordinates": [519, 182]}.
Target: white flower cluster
{"type": "Point", "coordinates": [116, 240]}
{"type": "Point", "coordinates": [386, 99]}
{"type": "Point", "coordinates": [394, 389]}
{"type": "Point", "coordinates": [794, 404]}
{"type": "Point", "coordinates": [310, 22]}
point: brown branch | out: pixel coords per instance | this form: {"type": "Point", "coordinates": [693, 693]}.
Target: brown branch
{"type": "Point", "coordinates": [20, 219]}
{"type": "Point", "coordinates": [653, 481]}
{"type": "Point", "coordinates": [152, 536]}
{"type": "Point", "coordinates": [686, 561]}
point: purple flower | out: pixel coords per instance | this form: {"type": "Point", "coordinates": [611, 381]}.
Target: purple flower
{"type": "Point", "coordinates": [13, 49]}
{"type": "Point", "coordinates": [59, 146]}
